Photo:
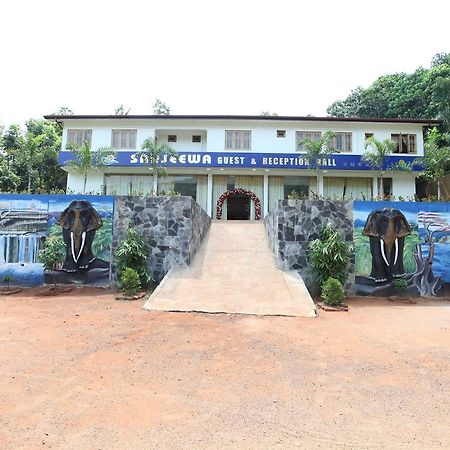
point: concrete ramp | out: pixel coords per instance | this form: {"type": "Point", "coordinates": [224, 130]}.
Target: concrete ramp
{"type": "Point", "coordinates": [233, 272]}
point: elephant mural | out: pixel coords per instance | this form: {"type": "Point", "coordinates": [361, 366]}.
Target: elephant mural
{"type": "Point", "coordinates": [386, 228]}
{"type": "Point", "coordinates": [79, 222]}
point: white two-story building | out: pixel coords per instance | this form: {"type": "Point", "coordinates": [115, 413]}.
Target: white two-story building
{"type": "Point", "coordinates": [262, 155]}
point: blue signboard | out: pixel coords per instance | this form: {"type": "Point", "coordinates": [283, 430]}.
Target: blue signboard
{"type": "Point", "coordinates": [247, 160]}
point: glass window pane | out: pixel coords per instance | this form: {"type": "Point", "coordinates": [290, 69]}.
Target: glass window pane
{"type": "Point", "coordinates": [296, 186]}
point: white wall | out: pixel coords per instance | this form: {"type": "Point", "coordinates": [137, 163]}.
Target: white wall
{"type": "Point", "coordinates": [102, 131]}
{"type": "Point", "coordinates": [403, 185]}
{"type": "Point", "coordinates": [184, 139]}
{"type": "Point", "coordinates": [94, 185]}
{"type": "Point", "coordinates": [264, 137]}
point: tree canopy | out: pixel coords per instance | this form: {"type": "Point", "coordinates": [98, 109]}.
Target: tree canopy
{"type": "Point", "coordinates": [122, 111]}
{"type": "Point", "coordinates": [423, 94]}
{"type": "Point", "coordinates": [29, 158]}
{"type": "Point", "coordinates": [160, 108]}
{"type": "Point", "coordinates": [436, 161]}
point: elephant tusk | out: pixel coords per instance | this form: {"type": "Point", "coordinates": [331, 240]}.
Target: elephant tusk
{"type": "Point", "coordinates": [83, 239]}
{"type": "Point", "coordinates": [72, 247]}
{"type": "Point", "coordinates": [382, 252]}
{"type": "Point", "coordinates": [396, 251]}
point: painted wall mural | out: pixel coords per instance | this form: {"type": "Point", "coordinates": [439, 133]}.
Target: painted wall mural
{"type": "Point", "coordinates": [23, 228]}
{"type": "Point", "coordinates": [397, 241]}
{"type": "Point", "coordinates": [83, 223]}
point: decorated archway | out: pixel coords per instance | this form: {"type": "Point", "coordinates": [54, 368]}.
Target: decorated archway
{"type": "Point", "coordinates": [238, 191]}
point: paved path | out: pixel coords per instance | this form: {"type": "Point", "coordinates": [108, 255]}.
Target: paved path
{"type": "Point", "coordinates": [233, 272]}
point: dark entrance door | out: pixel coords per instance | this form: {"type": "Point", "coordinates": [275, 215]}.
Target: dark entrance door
{"type": "Point", "coordinates": [238, 208]}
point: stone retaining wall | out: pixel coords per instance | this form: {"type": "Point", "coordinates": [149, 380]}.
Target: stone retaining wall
{"type": "Point", "coordinates": [295, 223]}
{"type": "Point", "coordinates": [173, 226]}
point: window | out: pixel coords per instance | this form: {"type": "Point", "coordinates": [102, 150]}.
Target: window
{"type": "Point", "coordinates": [231, 182]}
{"type": "Point", "coordinates": [237, 140]}
{"type": "Point", "coordinates": [124, 139]}
{"type": "Point", "coordinates": [116, 184]}
{"type": "Point", "coordinates": [79, 136]}
{"type": "Point", "coordinates": [368, 135]}
{"type": "Point", "coordinates": [281, 133]}
{"type": "Point", "coordinates": [301, 136]}
{"type": "Point", "coordinates": [406, 143]}
{"type": "Point", "coordinates": [183, 184]}
{"type": "Point", "coordinates": [196, 138]}
{"type": "Point", "coordinates": [297, 186]}
{"type": "Point", "coordinates": [172, 138]}
{"type": "Point", "coordinates": [385, 187]}
{"type": "Point", "coordinates": [342, 142]}
{"type": "Point", "coordinates": [339, 188]}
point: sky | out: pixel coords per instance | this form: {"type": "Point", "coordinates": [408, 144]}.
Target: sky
{"type": "Point", "coordinates": [206, 57]}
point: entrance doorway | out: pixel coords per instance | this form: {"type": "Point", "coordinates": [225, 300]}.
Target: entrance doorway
{"type": "Point", "coordinates": [238, 207]}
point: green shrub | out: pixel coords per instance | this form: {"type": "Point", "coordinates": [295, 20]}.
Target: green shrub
{"type": "Point", "coordinates": [130, 281]}
{"type": "Point", "coordinates": [329, 256]}
{"type": "Point", "coordinates": [400, 283]}
{"type": "Point", "coordinates": [133, 253]}
{"type": "Point", "coordinates": [7, 280]}
{"type": "Point", "coordinates": [332, 292]}
{"type": "Point", "coordinates": [53, 253]}
{"type": "Point", "coordinates": [169, 193]}
{"type": "Point", "coordinates": [294, 195]}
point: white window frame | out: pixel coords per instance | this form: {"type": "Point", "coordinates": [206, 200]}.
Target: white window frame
{"type": "Point", "coordinates": [340, 135]}
{"type": "Point", "coordinates": [129, 143]}
{"type": "Point", "coordinates": [76, 132]}
{"type": "Point", "coordinates": [409, 144]}
{"type": "Point", "coordinates": [309, 133]}
{"type": "Point", "coordinates": [239, 140]}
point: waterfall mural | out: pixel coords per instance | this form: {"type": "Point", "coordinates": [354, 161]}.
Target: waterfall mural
{"type": "Point", "coordinates": [26, 221]}
{"type": "Point", "coordinates": [23, 228]}
{"type": "Point", "coordinates": [402, 246]}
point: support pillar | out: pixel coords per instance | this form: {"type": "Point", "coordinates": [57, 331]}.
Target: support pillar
{"type": "Point", "coordinates": [374, 186]}
{"type": "Point", "coordinates": [266, 195]}
{"type": "Point", "coordinates": [320, 185]}
{"type": "Point", "coordinates": [209, 195]}
{"type": "Point", "coordinates": [155, 183]}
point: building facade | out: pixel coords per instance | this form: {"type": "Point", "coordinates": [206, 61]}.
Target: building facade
{"type": "Point", "coordinates": [261, 156]}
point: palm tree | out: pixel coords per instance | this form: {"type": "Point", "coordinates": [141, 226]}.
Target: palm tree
{"type": "Point", "coordinates": [87, 159]}
{"type": "Point", "coordinates": [377, 154]}
{"type": "Point", "coordinates": [154, 155]}
{"type": "Point", "coordinates": [319, 149]}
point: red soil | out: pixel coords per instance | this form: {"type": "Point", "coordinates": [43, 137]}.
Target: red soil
{"type": "Point", "coordinates": [84, 371]}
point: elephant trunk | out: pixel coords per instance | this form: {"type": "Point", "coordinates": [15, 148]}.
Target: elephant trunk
{"type": "Point", "coordinates": [389, 244]}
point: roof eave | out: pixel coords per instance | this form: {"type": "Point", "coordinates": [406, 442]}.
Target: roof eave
{"type": "Point", "coordinates": [56, 117]}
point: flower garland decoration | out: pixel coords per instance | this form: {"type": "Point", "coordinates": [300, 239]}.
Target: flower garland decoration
{"type": "Point", "coordinates": [238, 191]}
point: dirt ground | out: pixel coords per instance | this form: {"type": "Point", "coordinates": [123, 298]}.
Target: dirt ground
{"type": "Point", "coordinates": [84, 371]}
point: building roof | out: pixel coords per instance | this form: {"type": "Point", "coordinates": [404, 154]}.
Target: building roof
{"type": "Point", "coordinates": [57, 117]}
